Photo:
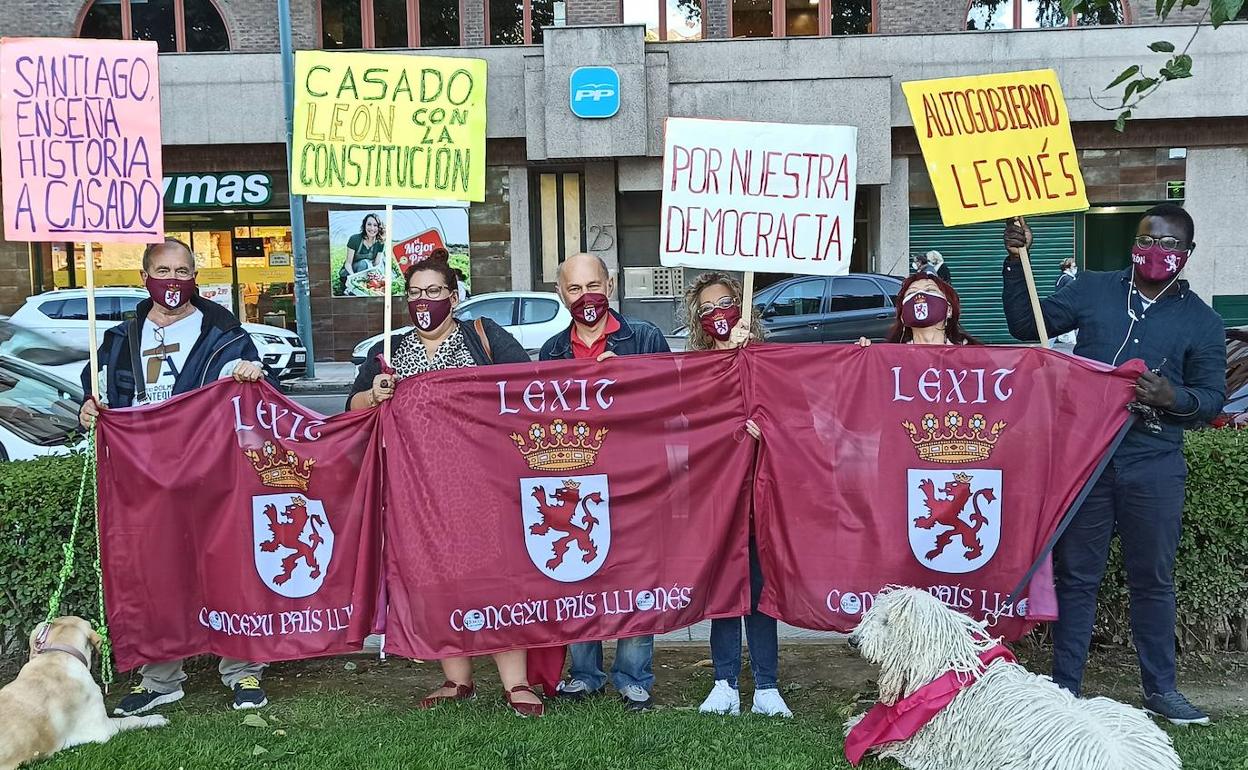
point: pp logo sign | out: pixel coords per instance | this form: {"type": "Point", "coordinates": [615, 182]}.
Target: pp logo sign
{"type": "Point", "coordinates": [594, 92]}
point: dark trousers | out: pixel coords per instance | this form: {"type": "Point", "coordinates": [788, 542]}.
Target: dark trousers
{"type": "Point", "coordinates": [760, 634]}
{"type": "Point", "coordinates": [1141, 500]}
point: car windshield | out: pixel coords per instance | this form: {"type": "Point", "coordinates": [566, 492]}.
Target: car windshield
{"type": "Point", "coordinates": [36, 407]}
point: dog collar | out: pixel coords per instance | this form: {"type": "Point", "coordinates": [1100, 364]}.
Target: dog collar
{"type": "Point", "coordinates": [887, 724]}
{"type": "Point", "coordinates": [67, 650]}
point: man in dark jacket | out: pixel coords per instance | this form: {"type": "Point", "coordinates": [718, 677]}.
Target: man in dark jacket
{"type": "Point", "coordinates": [176, 342]}
{"type": "Point", "coordinates": [599, 333]}
{"type": "Point", "coordinates": [1143, 312]}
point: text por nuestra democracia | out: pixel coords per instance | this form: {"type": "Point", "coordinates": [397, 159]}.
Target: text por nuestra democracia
{"type": "Point", "coordinates": [351, 141]}
{"type": "Point", "coordinates": [79, 170]}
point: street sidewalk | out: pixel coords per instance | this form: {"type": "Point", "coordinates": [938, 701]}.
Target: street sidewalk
{"type": "Point", "coordinates": [331, 377]}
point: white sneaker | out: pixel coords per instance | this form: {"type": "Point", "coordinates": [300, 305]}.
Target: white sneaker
{"type": "Point", "coordinates": [724, 699]}
{"type": "Point", "coordinates": [770, 704]}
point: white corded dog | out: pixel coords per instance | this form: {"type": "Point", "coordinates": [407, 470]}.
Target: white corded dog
{"type": "Point", "coordinates": [998, 714]}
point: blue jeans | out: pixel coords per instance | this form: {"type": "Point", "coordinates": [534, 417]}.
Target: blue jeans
{"type": "Point", "coordinates": [760, 633]}
{"type": "Point", "coordinates": [634, 662]}
{"type": "Point", "coordinates": [1142, 500]}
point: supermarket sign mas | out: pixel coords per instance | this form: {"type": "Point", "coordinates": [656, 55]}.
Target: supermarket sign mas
{"type": "Point", "coordinates": [206, 191]}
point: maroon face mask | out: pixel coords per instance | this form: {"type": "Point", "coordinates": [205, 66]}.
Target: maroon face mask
{"type": "Point", "coordinates": [589, 309]}
{"type": "Point", "coordinates": [922, 310]}
{"type": "Point", "coordinates": [719, 322]}
{"type": "Point", "coordinates": [172, 293]}
{"type": "Point", "coordinates": [428, 314]}
{"type": "Point", "coordinates": [1156, 264]}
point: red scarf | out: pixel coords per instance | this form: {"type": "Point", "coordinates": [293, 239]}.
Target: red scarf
{"type": "Point", "coordinates": [886, 724]}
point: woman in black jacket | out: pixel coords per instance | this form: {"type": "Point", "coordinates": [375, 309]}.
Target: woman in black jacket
{"type": "Point", "coordinates": [440, 341]}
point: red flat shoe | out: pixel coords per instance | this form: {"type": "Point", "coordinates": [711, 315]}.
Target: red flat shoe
{"type": "Point", "coordinates": [462, 692]}
{"type": "Point", "coordinates": [525, 709]}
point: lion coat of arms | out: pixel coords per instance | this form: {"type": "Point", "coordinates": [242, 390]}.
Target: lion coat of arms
{"type": "Point", "coordinates": [954, 518]}
{"type": "Point", "coordinates": [567, 525]}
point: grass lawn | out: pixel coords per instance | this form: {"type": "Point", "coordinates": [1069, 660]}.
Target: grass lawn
{"type": "Point", "coordinates": [342, 713]}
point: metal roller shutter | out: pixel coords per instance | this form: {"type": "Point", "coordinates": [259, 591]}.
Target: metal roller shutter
{"type": "Point", "coordinates": [974, 254]}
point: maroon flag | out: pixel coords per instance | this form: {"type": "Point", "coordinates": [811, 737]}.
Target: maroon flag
{"type": "Point", "coordinates": [238, 523]}
{"type": "Point", "coordinates": [947, 468]}
{"type": "Point", "coordinates": [573, 501]}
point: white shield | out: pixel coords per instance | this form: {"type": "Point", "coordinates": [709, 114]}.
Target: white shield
{"type": "Point", "coordinates": [293, 543]}
{"type": "Point", "coordinates": [591, 314]}
{"type": "Point", "coordinates": [954, 517]}
{"type": "Point", "coordinates": [173, 297]}
{"type": "Point", "coordinates": [567, 524]}
{"type": "Point", "coordinates": [920, 309]}
{"type": "Point", "coordinates": [721, 326]}
{"type": "Point", "coordinates": [423, 320]}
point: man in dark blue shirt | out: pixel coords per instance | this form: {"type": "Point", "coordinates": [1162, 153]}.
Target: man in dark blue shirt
{"type": "Point", "coordinates": [1142, 312]}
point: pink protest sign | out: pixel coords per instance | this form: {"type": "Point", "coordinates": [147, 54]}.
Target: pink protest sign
{"type": "Point", "coordinates": [80, 140]}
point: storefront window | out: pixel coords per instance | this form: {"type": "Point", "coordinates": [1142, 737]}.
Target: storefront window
{"type": "Point", "coordinates": [1039, 14]}
{"type": "Point", "coordinates": [201, 27]}
{"type": "Point", "coordinates": [349, 24]}
{"type": "Point", "coordinates": [674, 20]}
{"type": "Point", "coordinates": [799, 18]}
{"type": "Point", "coordinates": [243, 261]}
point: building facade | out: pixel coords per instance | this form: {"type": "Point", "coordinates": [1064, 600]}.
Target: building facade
{"type": "Point", "coordinates": [557, 184]}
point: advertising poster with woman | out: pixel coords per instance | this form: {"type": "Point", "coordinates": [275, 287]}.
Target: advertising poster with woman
{"type": "Point", "coordinates": [357, 240]}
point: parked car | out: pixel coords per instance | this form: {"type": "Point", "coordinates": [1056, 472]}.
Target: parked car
{"type": "Point", "coordinates": [813, 308]}
{"type": "Point", "coordinates": [532, 317]}
{"type": "Point", "coordinates": [38, 411]}
{"type": "Point", "coordinates": [62, 316]}
{"type": "Point", "coordinates": [1235, 410]}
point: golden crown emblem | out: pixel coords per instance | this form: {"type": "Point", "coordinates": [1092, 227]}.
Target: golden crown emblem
{"type": "Point", "coordinates": [954, 439]}
{"type": "Point", "coordinates": [284, 470]}
{"type": "Point", "coordinates": [559, 446]}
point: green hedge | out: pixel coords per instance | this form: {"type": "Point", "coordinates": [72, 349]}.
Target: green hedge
{"type": "Point", "coordinates": [37, 499]}
{"type": "Point", "coordinates": [37, 502]}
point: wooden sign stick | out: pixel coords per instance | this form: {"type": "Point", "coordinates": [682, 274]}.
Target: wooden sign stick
{"type": "Point", "coordinates": [747, 296]}
{"type": "Point", "coordinates": [1035, 297]}
{"type": "Point", "coordinates": [387, 323]}
{"type": "Point", "coordinates": [92, 343]}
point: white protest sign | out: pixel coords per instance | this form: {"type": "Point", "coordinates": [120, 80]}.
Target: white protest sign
{"type": "Point", "coordinates": [769, 197]}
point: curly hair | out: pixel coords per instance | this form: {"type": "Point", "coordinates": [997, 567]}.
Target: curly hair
{"type": "Point", "coordinates": [698, 338]}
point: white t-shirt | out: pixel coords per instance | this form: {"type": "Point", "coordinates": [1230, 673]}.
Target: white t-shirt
{"type": "Point", "coordinates": [163, 354]}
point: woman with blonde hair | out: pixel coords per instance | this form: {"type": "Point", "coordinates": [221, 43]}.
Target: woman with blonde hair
{"type": "Point", "coordinates": [713, 312]}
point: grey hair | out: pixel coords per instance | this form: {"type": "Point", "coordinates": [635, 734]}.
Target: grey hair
{"type": "Point", "coordinates": [168, 243]}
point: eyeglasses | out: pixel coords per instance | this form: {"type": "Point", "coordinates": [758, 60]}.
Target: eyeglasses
{"type": "Point", "coordinates": [723, 303]}
{"type": "Point", "coordinates": [430, 292]}
{"type": "Point", "coordinates": [1167, 242]}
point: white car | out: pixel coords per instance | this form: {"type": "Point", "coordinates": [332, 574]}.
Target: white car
{"type": "Point", "coordinates": [62, 316]}
{"type": "Point", "coordinates": [532, 317]}
{"type": "Point", "coordinates": [38, 411]}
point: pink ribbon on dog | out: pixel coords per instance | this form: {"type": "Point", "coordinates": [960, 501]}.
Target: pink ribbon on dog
{"type": "Point", "coordinates": [886, 724]}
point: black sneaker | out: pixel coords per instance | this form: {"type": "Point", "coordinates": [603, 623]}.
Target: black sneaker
{"type": "Point", "coordinates": [1175, 708]}
{"type": "Point", "coordinates": [141, 700]}
{"type": "Point", "coordinates": [577, 690]}
{"type": "Point", "coordinates": [636, 699]}
{"type": "Point", "coordinates": [248, 694]}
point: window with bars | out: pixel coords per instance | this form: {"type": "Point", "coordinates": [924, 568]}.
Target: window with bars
{"type": "Point", "coordinates": [558, 217]}
{"type": "Point", "coordinates": [174, 25]}
{"type": "Point", "coordinates": [350, 24]}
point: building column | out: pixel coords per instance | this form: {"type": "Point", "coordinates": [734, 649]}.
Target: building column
{"type": "Point", "coordinates": [892, 221]}
{"type": "Point", "coordinates": [587, 12]}
{"type": "Point", "coordinates": [521, 246]}
{"type": "Point", "coordinates": [601, 236]}
{"type": "Point", "coordinates": [475, 32]}
{"type": "Point", "coordinates": [1217, 184]}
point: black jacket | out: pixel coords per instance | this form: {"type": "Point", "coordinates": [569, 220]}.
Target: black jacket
{"type": "Point", "coordinates": [634, 337]}
{"type": "Point", "coordinates": [504, 349]}
{"type": "Point", "coordinates": [221, 339]}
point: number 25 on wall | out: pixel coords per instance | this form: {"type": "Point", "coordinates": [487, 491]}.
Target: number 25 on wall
{"type": "Point", "coordinates": [601, 237]}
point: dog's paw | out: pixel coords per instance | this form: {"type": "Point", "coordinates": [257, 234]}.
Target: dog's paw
{"type": "Point", "coordinates": [156, 720]}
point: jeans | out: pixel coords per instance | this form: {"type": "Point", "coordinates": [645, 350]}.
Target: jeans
{"type": "Point", "coordinates": [1141, 500]}
{"type": "Point", "coordinates": [760, 634]}
{"type": "Point", "coordinates": [634, 661]}
{"type": "Point", "coordinates": [168, 676]}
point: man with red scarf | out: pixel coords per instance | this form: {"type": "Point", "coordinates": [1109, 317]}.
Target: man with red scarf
{"type": "Point", "coordinates": [1145, 312]}
{"type": "Point", "coordinates": [176, 342]}
{"type": "Point", "coordinates": [599, 333]}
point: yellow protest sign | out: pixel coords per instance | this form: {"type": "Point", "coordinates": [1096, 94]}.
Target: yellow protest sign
{"type": "Point", "coordinates": [997, 146]}
{"type": "Point", "coordinates": [376, 125]}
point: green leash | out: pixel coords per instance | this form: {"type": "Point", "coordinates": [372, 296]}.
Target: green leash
{"type": "Point", "coordinates": [89, 471]}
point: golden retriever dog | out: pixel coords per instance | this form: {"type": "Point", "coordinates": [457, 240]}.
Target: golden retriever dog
{"type": "Point", "coordinates": [54, 703]}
